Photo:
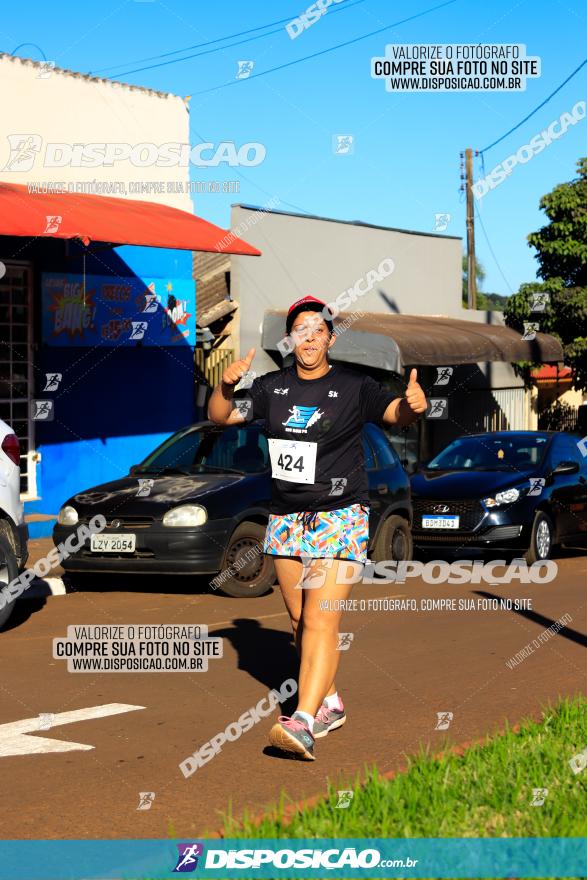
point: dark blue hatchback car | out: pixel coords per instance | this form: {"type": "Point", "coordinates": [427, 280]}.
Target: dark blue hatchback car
{"type": "Point", "coordinates": [519, 490]}
{"type": "Point", "coordinates": [199, 504]}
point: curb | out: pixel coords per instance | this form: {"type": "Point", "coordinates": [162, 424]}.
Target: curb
{"type": "Point", "coordinates": [291, 810]}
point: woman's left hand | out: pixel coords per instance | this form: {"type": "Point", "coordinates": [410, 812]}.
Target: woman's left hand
{"type": "Point", "coordinates": [415, 397]}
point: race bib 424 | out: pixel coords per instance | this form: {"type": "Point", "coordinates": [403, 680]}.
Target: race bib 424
{"type": "Point", "coordinates": [293, 460]}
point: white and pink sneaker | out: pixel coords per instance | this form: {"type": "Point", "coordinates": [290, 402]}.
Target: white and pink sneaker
{"type": "Point", "coordinates": [328, 719]}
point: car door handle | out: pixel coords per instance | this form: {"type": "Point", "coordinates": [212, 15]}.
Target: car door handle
{"type": "Point", "coordinates": [382, 488]}
{"type": "Point", "coordinates": [582, 480]}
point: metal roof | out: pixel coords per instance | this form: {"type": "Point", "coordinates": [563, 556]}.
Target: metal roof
{"type": "Point", "coordinates": [392, 342]}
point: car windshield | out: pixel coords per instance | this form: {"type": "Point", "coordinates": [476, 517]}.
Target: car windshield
{"type": "Point", "coordinates": [236, 449]}
{"type": "Point", "coordinates": [490, 452]}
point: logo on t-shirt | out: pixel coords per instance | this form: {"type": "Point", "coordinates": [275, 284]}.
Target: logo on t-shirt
{"type": "Point", "coordinates": [301, 418]}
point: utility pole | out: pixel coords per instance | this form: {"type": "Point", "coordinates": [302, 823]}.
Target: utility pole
{"type": "Point", "coordinates": [471, 263]}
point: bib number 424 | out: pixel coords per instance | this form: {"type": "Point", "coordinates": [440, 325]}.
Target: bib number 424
{"type": "Point", "coordinates": [293, 460]}
{"type": "Point", "coordinates": [287, 463]}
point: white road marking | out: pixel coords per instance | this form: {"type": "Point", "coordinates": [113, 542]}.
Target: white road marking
{"type": "Point", "coordinates": [15, 737]}
{"type": "Point", "coordinates": [47, 586]}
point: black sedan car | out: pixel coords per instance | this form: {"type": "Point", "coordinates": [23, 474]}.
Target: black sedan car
{"type": "Point", "coordinates": [519, 490]}
{"type": "Point", "coordinates": [199, 504]}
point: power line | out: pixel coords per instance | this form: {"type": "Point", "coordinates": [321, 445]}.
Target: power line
{"type": "Point", "coordinates": [341, 7]}
{"type": "Point", "coordinates": [479, 218]}
{"type": "Point", "coordinates": [536, 109]}
{"type": "Point", "coordinates": [331, 49]}
{"type": "Point", "coordinates": [195, 55]}
{"type": "Point", "coordinates": [195, 46]}
{"type": "Point", "coordinates": [211, 42]}
{"type": "Point", "coordinates": [20, 45]}
{"type": "Point", "coordinates": [260, 188]}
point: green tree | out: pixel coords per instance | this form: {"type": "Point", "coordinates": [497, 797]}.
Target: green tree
{"type": "Point", "coordinates": [485, 301]}
{"type": "Point", "coordinates": [492, 301]}
{"type": "Point", "coordinates": [561, 247]}
{"type": "Point", "coordinates": [562, 243]}
{"type": "Point", "coordinates": [479, 275]}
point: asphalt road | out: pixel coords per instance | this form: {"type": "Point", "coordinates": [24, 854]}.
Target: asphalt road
{"type": "Point", "coordinates": [401, 669]}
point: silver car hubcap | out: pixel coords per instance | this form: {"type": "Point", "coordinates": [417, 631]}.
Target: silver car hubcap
{"type": "Point", "coordinates": [543, 539]}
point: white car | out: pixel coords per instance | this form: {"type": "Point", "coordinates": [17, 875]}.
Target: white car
{"type": "Point", "coordinates": [14, 531]}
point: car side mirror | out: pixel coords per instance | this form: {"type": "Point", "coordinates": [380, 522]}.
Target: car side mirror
{"type": "Point", "coordinates": [133, 469]}
{"type": "Point", "coordinates": [566, 467]}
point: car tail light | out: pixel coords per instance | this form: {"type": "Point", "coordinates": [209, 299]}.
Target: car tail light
{"type": "Point", "coordinates": [11, 447]}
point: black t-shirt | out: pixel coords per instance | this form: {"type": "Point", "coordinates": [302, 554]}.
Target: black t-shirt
{"type": "Point", "coordinates": [328, 411]}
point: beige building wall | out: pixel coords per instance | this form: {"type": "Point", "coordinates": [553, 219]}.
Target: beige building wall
{"type": "Point", "coordinates": [551, 394]}
{"type": "Point", "coordinates": [62, 107]}
{"type": "Point", "coordinates": [305, 255]}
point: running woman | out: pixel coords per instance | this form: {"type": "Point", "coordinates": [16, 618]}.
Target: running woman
{"type": "Point", "coordinates": [319, 520]}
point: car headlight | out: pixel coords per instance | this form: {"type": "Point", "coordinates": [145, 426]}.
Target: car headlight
{"type": "Point", "coordinates": [67, 516]}
{"type": "Point", "coordinates": [506, 497]}
{"type": "Point", "coordinates": [186, 515]}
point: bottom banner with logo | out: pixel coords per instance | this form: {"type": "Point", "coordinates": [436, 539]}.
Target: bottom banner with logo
{"type": "Point", "coordinates": [357, 857]}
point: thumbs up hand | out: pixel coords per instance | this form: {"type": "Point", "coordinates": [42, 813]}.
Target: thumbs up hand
{"type": "Point", "coordinates": [415, 397]}
{"type": "Point", "coordinates": [234, 373]}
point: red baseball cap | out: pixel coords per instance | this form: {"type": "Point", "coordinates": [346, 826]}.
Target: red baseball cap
{"type": "Point", "coordinates": [308, 304]}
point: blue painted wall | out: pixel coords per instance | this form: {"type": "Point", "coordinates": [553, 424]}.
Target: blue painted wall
{"type": "Point", "coordinates": [115, 403]}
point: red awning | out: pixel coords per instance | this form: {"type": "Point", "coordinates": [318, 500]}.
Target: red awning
{"type": "Point", "coordinates": [115, 221]}
{"type": "Point", "coordinates": [552, 373]}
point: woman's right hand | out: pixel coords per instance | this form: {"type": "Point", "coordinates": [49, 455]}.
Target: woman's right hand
{"type": "Point", "coordinates": [234, 373]}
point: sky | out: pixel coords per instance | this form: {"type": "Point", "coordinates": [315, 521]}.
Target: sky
{"type": "Point", "coordinates": [404, 166]}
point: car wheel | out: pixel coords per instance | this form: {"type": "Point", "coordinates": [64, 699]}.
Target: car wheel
{"type": "Point", "coordinates": [394, 540]}
{"type": "Point", "coordinates": [8, 572]}
{"type": "Point", "coordinates": [247, 571]}
{"type": "Point", "coordinates": [541, 539]}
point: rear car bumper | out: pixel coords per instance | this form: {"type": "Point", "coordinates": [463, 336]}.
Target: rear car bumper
{"type": "Point", "coordinates": [159, 550]}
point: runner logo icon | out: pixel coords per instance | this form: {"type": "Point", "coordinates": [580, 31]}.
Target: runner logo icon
{"type": "Point", "coordinates": [539, 795]}
{"type": "Point", "coordinates": [444, 719]}
{"type": "Point", "coordinates": [187, 860]}
{"type": "Point", "coordinates": [302, 417]}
